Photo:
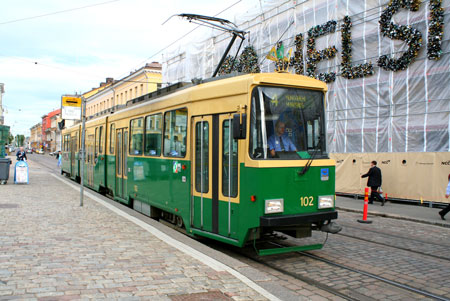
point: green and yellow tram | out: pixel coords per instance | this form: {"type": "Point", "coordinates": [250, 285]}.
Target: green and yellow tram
{"type": "Point", "coordinates": [230, 159]}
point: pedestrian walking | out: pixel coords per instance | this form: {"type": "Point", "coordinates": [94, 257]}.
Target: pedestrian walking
{"type": "Point", "coordinates": [58, 157]}
{"type": "Point", "coordinates": [444, 211]}
{"type": "Point", "coordinates": [374, 182]}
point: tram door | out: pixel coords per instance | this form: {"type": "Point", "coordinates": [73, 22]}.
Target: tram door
{"type": "Point", "coordinates": [121, 163]}
{"type": "Point", "coordinates": [90, 160]}
{"type": "Point", "coordinates": [215, 175]}
{"type": "Point", "coordinates": [73, 145]}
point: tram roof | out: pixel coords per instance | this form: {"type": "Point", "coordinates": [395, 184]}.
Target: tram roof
{"type": "Point", "coordinates": [228, 85]}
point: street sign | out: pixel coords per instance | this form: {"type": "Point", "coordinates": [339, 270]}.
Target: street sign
{"type": "Point", "coordinates": [71, 107]}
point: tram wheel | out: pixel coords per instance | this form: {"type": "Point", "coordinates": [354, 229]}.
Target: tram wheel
{"type": "Point", "coordinates": [179, 222]}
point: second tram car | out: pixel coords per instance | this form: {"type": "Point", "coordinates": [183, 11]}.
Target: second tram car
{"type": "Point", "coordinates": [229, 159]}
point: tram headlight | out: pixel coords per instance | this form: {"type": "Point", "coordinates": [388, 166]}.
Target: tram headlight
{"type": "Point", "coordinates": [326, 201]}
{"type": "Point", "coordinates": [274, 206]}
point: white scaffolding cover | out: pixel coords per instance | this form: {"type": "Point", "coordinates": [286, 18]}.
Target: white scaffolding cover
{"type": "Point", "coordinates": [403, 111]}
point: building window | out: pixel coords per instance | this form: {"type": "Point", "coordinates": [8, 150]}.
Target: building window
{"type": "Point", "coordinates": [142, 89]}
{"type": "Point", "coordinates": [136, 136]}
{"type": "Point", "coordinates": [175, 131]}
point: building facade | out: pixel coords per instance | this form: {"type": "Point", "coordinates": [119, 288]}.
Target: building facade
{"type": "Point", "coordinates": [386, 67]}
{"type": "Point", "coordinates": [116, 93]}
{"type": "Point", "coordinates": [36, 136]}
{"type": "Point", "coordinates": [51, 134]}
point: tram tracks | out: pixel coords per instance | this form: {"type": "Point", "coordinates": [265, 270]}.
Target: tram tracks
{"type": "Point", "coordinates": [413, 249]}
{"type": "Point", "coordinates": [345, 293]}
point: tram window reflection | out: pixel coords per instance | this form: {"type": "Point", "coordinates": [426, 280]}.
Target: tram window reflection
{"type": "Point", "coordinates": [286, 124]}
{"type": "Point", "coordinates": [153, 135]}
{"type": "Point", "coordinates": [175, 132]}
{"type": "Point", "coordinates": [136, 137]}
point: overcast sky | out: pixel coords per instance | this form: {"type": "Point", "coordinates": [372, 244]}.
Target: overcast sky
{"type": "Point", "coordinates": [52, 47]}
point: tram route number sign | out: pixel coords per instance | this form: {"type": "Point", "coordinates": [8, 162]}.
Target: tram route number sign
{"type": "Point", "coordinates": [71, 107]}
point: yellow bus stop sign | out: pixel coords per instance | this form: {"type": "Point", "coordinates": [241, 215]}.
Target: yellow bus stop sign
{"type": "Point", "coordinates": [69, 101]}
{"type": "Point", "coordinates": [71, 107]}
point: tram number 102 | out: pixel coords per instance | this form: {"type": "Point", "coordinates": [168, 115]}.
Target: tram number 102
{"type": "Point", "coordinates": [306, 201]}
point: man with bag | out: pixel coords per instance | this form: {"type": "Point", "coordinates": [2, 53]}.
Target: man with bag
{"type": "Point", "coordinates": [21, 154]}
{"type": "Point", "coordinates": [374, 182]}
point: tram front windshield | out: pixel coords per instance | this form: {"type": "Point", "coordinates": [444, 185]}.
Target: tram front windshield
{"type": "Point", "coordinates": [287, 124]}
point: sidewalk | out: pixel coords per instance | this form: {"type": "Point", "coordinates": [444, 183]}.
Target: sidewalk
{"type": "Point", "coordinates": [409, 212]}
{"type": "Point", "coordinates": [53, 249]}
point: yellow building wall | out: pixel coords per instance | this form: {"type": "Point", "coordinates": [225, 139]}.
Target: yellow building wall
{"type": "Point", "coordinates": [124, 91]}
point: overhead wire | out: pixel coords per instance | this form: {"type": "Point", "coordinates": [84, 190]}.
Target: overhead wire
{"type": "Point", "coordinates": [97, 4]}
{"type": "Point", "coordinates": [57, 12]}
{"type": "Point", "coordinates": [186, 34]}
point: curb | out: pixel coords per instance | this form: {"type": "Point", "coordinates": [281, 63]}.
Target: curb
{"type": "Point", "coordinates": [400, 217]}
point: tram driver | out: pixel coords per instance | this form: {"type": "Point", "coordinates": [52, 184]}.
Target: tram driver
{"type": "Point", "coordinates": [280, 141]}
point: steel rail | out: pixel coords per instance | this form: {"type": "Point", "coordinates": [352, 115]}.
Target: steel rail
{"type": "Point", "coordinates": [397, 284]}
{"type": "Point", "coordinates": [396, 247]}
{"type": "Point", "coordinates": [305, 279]}
{"type": "Point", "coordinates": [397, 236]}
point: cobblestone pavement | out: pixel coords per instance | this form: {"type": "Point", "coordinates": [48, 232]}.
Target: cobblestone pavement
{"type": "Point", "coordinates": [424, 272]}
{"type": "Point", "coordinates": [53, 249]}
{"type": "Point", "coordinates": [417, 237]}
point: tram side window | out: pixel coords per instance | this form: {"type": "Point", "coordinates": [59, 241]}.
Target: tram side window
{"type": "Point", "coordinates": [112, 138]}
{"type": "Point", "coordinates": [229, 161]}
{"type": "Point", "coordinates": [137, 137]}
{"type": "Point", "coordinates": [100, 140]}
{"type": "Point", "coordinates": [95, 142]}
{"type": "Point", "coordinates": [202, 157]}
{"type": "Point", "coordinates": [175, 131]}
{"type": "Point", "coordinates": [66, 143]}
{"type": "Point", "coordinates": [76, 142]}
{"type": "Point", "coordinates": [153, 133]}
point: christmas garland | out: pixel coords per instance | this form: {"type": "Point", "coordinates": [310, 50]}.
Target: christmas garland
{"type": "Point", "coordinates": [297, 59]}
{"type": "Point", "coordinates": [347, 70]}
{"type": "Point", "coordinates": [435, 30]}
{"type": "Point", "coordinates": [410, 35]}
{"type": "Point", "coordinates": [314, 56]}
{"type": "Point", "coordinates": [248, 61]}
{"type": "Point", "coordinates": [226, 66]}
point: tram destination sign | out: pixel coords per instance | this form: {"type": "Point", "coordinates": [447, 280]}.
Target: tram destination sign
{"type": "Point", "coordinates": [71, 107]}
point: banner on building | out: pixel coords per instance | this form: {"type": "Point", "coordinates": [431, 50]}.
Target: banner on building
{"type": "Point", "coordinates": [71, 108]}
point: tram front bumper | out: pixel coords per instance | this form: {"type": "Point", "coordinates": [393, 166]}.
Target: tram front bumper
{"type": "Point", "coordinates": [297, 219]}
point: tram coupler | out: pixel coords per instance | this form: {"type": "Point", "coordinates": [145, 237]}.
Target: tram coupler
{"type": "Point", "coordinates": [331, 227]}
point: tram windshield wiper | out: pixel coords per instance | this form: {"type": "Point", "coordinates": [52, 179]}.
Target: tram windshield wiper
{"type": "Point", "coordinates": [310, 160]}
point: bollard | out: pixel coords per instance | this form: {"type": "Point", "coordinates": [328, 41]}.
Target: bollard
{"type": "Point", "coordinates": [366, 205]}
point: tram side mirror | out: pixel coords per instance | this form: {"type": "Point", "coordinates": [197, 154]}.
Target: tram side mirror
{"type": "Point", "coordinates": [239, 129]}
